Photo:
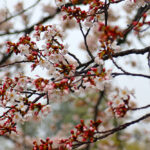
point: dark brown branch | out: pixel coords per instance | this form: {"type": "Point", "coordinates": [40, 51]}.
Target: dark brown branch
{"type": "Point", "coordinates": [75, 58]}
{"type": "Point", "coordinates": [127, 73]}
{"type": "Point", "coordinates": [123, 126]}
{"type": "Point", "coordinates": [120, 68]}
{"type": "Point", "coordinates": [40, 96]}
{"type": "Point", "coordinates": [115, 74]}
{"type": "Point", "coordinates": [32, 93]}
{"type": "Point", "coordinates": [115, 2]}
{"type": "Point", "coordinates": [101, 94]}
{"type": "Point", "coordinates": [85, 41]}
{"type": "Point", "coordinates": [106, 12]}
{"type": "Point", "coordinates": [30, 29]}
{"type": "Point", "coordinates": [5, 58]}
{"type": "Point", "coordinates": [47, 98]}
{"type": "Point", "coordinates": [112, 131]}
{"type": "Point", "coordinates": [128, 52]}
{"type": "Point", "coordinates": [120, 54]}
{"type": "Point", "coordinates": [140, 108]}
{"type": "Point", "coordinates": [137, 17]}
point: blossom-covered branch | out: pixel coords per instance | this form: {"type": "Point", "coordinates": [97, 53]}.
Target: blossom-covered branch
{"type": "Point", "coordinates": [24, 98]}
{"type": "Point", "coordinates": [112, 131]}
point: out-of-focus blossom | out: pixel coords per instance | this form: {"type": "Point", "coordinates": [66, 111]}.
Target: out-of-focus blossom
{"type": "Point", "coordinates": [49, 9]}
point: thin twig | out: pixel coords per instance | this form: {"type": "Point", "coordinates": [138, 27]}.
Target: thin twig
{"type": "Point", "coordinates": [17, 62]}
{"type": "Point", "coordinates": [115, 74]}
{"type": "Point", "coordinates": [9, 18]}
{"type": "Point", "coordinates": [140, 108]}
{"type": "Point", "coordinates": [85, 41]}
{"type": "Point", "coordinates": [75, 58]}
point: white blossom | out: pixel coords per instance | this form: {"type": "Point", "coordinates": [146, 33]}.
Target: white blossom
{"type": "Point", "coordinates": [24, 49]}
{"type": "Point", "coordinates": [21, 106]}
{"type": "Point", "coordinates": [99, 84]}
{"type": "Point", "coordinates": [46, 110]}
{"type": "Point", "coordinates": [116, 47]}
{"type": "Point", "coordinates": [44, 64]}
{"type": "Point", "coordinates": [28, 116]}
{"type": "Point", "coordinates": [59, 3]}
{"type": "Point", "coordinates": [22, 83]}
{"type": "Point", "coordinates": [98, 61]}
{"type": "Point", "coordinates": [124, 93]}
{"type": "Point", "coordinates": [12, 96]}
{"type": "Point", "coordinates": [17, 117]}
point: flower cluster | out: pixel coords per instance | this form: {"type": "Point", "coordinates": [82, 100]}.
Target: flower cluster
{"type": "Point", "coordinates": [44, 145]}
{"type": "Point", "coordinates": [24, 98]}
{"type": "Point", "coordinates": [58, 90]}
{"type": "Point", "coordinates": [53, 57]}
{"type": "Point", "coordinates": [82, 133]}
{"type": "Point", "coordinates": [112, 32]}
{"type": "Point", "coordinates": [25, 47]}
{"type": "Point", "coordinates": [107, 48]}
{"type": "Point", "coordinates": [18, 107]}
{"type": "Point", "coordinates": [97, 78]}
{"type": "Point", "coordinates": [7, 124]}
{"type": "Point", "coordinates": [74, 12]}
{"type": "Point", "coordinates": [119, 102]}
{"type": "Point", "coordinates": [94, 8]}
{"type": "Point", "coordinates": [18, 94]}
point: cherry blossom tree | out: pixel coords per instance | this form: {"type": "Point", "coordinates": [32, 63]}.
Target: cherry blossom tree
{"type": "Point", "coordinates": [40, 43]}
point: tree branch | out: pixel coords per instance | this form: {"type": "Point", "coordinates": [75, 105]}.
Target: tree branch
{"type": "Point", "coordinates": [119, 54]}
{"type": "Point", "coordinates": [85, 41]}
{"type": "Point", "coordinates": [115, 74]}
{"type": "Point", "coordinates": [137, 17]}
{"type": "Point", "coordinates": [31, 28]}
{"type": "Point", "coordinates": [75, 58]}
{"type": "Point", "coordinates": [112, 131]}
{"type": "Point", "coordinates": [140, 108]}
{"type": "Point", "coordinates": [9, 18]}
{"type": "Point", "coordinates": [17, 62]}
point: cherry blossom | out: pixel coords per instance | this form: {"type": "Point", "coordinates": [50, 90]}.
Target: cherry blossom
{"type": "Point", "coordinates": [25, 98]}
